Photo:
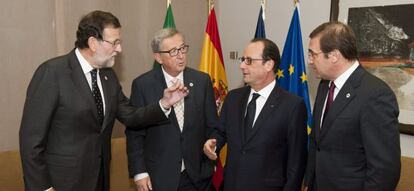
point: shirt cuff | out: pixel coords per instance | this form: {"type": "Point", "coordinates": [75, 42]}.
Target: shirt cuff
{"type": "Point", "coordinates": [140, 176]}
{"type": "Point", "coordinates": [166, 111]}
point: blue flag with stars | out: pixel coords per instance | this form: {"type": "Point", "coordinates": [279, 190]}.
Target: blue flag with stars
{"type": "Point", "coordinates": [291, 74]}
{"type": "Point", "coordinates": [260, 26]}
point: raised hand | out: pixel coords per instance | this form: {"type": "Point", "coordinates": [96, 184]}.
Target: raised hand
{"type": "Point", "coordinates": [173, 94]}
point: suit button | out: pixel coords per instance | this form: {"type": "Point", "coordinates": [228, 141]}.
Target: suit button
{"type": "Point", "coordinates": [318, 149]}
{"type": "Point", "coordinates": [243, 152]}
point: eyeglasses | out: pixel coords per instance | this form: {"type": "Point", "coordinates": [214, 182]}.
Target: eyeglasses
{"type": "Point", "coordinates": [312, 54]}
{"type": "Point", "coordinates": [248, 60]}
{"type": "Point", "coordinates": [114, 43]}
{"type": "Point", "coordinates": [174, 51]}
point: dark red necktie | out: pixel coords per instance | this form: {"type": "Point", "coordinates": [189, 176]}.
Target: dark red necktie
{"type": "Point", "coordinates": [330, 99]}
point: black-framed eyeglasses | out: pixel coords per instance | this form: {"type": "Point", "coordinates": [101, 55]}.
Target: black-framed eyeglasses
{"type": "Point", "coordinates": [114, 43]}
{"type": "Point", "coordinates": [248, 60]}
{"type": "Point", "coordinates": [312, 54]}
{"type": "Point", "coordinates": [174, 51]}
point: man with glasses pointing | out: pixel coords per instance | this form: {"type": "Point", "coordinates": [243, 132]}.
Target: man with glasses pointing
{"type": "Point", "coordinates": [168, 156]}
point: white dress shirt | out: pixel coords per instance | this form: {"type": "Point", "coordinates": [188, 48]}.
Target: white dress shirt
{"type": "Point", "coordinates": [87, 68]}
{"type": "Point", "coordinates": [339, 83]}
{"type": "Point", "coordinates": [261, 100]}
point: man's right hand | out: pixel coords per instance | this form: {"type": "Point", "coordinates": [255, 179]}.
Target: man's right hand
{"type": "Point", "coordinates": [143, 184]}
{"type": "Point", "coordinates": [50, 189]}
{"type": "Point", "coordinates": [173, 95]}
{"type": "Point", "coordinates": [210, 149]}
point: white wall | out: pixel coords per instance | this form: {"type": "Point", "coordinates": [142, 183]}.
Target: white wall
{"type": "Point", "coordinates": [237, 27]}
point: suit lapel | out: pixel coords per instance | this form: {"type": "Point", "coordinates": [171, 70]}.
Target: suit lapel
{"type": "Point", "coordinates": [345, 96]}
{"type": "Point", "coordinates": [319, 102]}
{"type": "Point", "coordinates": [244, 98]}
{"type": "Point", "coordinates": [81, 84]}
{"type": "Point", "coordinates": [189, 100]}
{"type": "Point", "coordinates": [268, 108]}
{"type": "Point", "coordinates": [106, 90]}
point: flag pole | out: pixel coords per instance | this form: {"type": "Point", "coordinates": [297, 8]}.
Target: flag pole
{"type": "Point", "coordinates": [210, 5]}
{"type": "Point", "coordinates": [264, 9]}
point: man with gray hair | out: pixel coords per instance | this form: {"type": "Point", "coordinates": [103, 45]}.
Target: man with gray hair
{"type": "Point", "coordinates": [168, 156]}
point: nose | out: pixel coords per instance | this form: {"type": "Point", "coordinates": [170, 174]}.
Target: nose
{"type": "Point", "coordinates": [180, 55]}
{"type": "Point", "coordinates": [310, 61]}
{"type": "Point", "coordinates": [118, 48]}
{"type": "Point", "coordinates": [242, 65]}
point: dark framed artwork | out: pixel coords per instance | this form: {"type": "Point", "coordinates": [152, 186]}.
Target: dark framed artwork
{"type": "Point", "coordinates": [385, 40]}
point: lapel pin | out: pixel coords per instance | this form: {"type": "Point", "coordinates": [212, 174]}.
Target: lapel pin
{"type": "Point", "coordinates": [191, 84]}
{"type": "Point", "coordinates": [348, 95]}
{"type": "Point", "coordinates": [106, 78]}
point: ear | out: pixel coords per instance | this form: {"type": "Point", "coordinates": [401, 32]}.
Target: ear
{"type": "Point", "coordinates": [269, 65]}
{"type": "Point", "coordinates": [93, 43]}
{"type": "Point", "coordinates": [335, 55]}
{"type": "Point", "coordinates": [157, 57]}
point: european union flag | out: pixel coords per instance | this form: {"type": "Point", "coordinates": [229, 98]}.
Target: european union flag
{"type": "Point", "coordinates": [291, 74]}
{"type": "Point", "coordinates": [260, 27]}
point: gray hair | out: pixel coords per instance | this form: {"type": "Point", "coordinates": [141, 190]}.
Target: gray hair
{"type": "Point", "coordinates": [160, 36]}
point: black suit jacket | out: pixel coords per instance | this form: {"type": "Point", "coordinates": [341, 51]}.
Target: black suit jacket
{"type": "Point", "coordinates": [62, 143]}
{"type": "Point", "coordinates": [358, 147]}
{"type": "Point", "coordinates": [274, 156]}
{"type": "Point", "coordinates": [159, 149]}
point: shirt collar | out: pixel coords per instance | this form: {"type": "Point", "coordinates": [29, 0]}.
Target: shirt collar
{"type": "Point", "coordinates": [169, 78]}
{"type": "Point", "coordinates": [86, 67]}
{"type": "Point", "coordinates": [265, 92]}
{"type": "Point", "coordinates": [340, 81]}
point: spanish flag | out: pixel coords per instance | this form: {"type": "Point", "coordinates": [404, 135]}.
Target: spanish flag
{"type": "Point", "coordinates": [212, 63]}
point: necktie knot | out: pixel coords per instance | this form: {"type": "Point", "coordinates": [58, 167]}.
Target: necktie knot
{"type": "Point", "coordinates": [93, 73]}
{"type": "Point", "coordinates": [255, 96]}
{"type": "Point", "coordinates": [332, 87]}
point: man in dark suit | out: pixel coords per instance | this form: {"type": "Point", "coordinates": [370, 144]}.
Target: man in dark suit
{"type": "Point", "coordinates": [168, 156]}
{"type": "Point", "coordinates": [264, 128]}
{"type": "Point", "coordinates": [355, 140]}
{"type": "Point", "coordinates": [69, 113]}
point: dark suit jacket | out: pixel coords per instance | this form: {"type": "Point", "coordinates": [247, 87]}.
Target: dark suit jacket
{"type": "Point", "coordinates": [159, 149]}
{"type": "Point", "coordinates": [62, 143]}
{"type": "Point", "coordinates": [358, 147]}
{"type": "Point", "coordinates": [274, 156]}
